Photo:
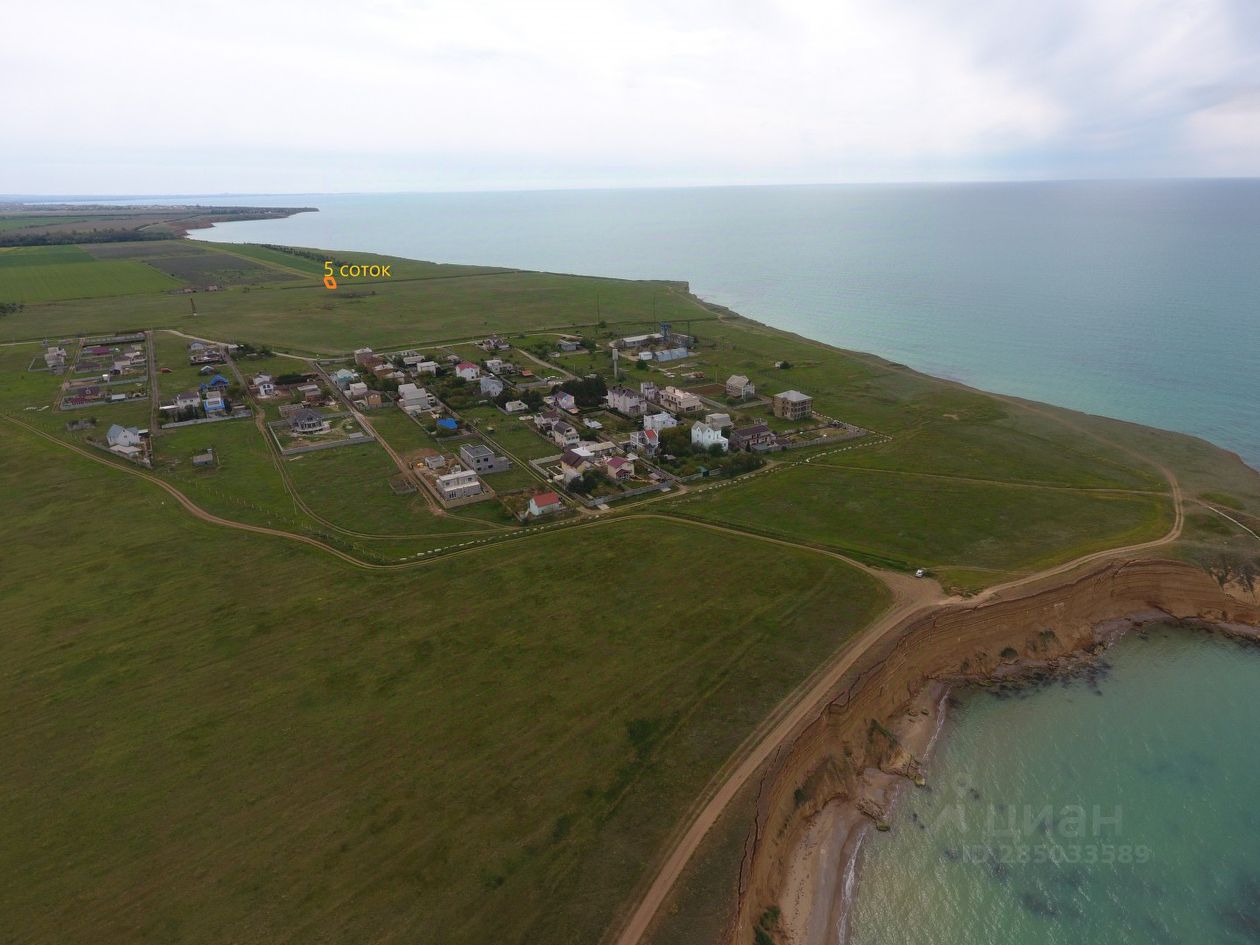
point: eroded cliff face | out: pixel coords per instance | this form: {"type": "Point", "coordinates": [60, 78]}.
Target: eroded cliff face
{"type": "Point", "coordinates": [869, 731]}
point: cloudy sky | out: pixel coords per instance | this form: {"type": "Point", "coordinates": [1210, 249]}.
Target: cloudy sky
{"type": "Point", "coordinates": [129, 97]}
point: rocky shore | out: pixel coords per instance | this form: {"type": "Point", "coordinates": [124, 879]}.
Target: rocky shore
{"type": "Point", "coordinates": [843, 773]}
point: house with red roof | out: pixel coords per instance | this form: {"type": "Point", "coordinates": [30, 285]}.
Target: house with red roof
{"type": "Point", "coordinates": [544, 503]}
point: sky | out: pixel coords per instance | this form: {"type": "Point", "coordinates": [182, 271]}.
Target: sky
{"type": "Point", "coordinates": [268, 96]}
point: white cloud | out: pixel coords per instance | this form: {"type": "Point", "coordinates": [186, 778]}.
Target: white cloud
{"type": "Point", "coordinates": [259, 95]}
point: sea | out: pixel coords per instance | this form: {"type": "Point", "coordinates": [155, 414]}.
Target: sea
{"type": "Point", "coordinates": [1138, 300]}
{"type": "Point", "coordinates": [1116, 807]}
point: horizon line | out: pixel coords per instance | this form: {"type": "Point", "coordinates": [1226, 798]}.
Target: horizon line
{"type": "Point", "coordinates": [963, 182]}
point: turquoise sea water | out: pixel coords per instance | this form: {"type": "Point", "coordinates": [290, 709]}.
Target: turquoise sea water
{"type": "Point", "coordinates": [1106, 810]}
{"type": "Point", "coordinates": [1139, 300]}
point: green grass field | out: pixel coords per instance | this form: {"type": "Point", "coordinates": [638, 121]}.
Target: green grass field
{"type": "Point", "coordinates": [914, 521]}
{"type": "Point", "coordinates": [51, 273]}
{"type": "Point", "coordinates": [385, 315]}
{"type": "Point", "coordinates": [214, 737]}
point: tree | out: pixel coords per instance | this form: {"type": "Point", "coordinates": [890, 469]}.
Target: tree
{"type": "Point", "coordinates": [676, 440]}
{"type": "Point", "coordinates": [586, 391]}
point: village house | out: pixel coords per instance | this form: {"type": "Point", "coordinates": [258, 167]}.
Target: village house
{"type": "Point", "coordinates": [756, 438]}
{"type": "Point", "coordinates": [214, 403]}
{"type": "Point", "coordinates": [204, 459]}
{"type": "Point", "coordinates": [597, 448]}
{"type": "Point", "coordinates": [205, 354]}
{"type": "Point", "coordinates": [122, 436]}
{"type": "Point", "coordinates": [619, 468]}
{"type": "Point", "coordinates": [659, 421]}
{"type": "Point", "coordinates": [573, 465]}
{"type": "Point", "coordinates": [343, 377]}
{"type": "Point", "coordinates": [364, 356]}
{"type": "Point", "coordinates": [217, 381]}
{"type": "Point", "coordinates": [459, 484]}
{"type": "Point", "coordinates": [308, 423]}
{"type": "Point", "coordinates": [494, 365]}
{"type": "Point", "coordinates": [310, 393]}
{"type": "Point", "coordinates": [467, 371]}
{"type": "Point", "coordinates": [491, 387]}
{"type": "Point", "coordinates": [264, 385]}
{"type": "Point", "coordinates": [705, 436]}
{"type": "Point", "coordinates": [568, 345]}
{"type": "Point", "coordinates": [565, 434]}
{"type": "Point", "coordinates": [544, 503]}
{"type": "Point", "coordinates": [625, 401]}
{"type": "Point", "coordinates": [415, 399]}
{"type": "Point", "coordinates": [357, 389]}
{"type": "Point", "coordinates": [719, 421]}
{"type": "Point", "coordinates": [793, 405]}
{"type": "Point", "coordinates": [516, 406]}
{"type": "Point", "coordinates": [481, 459]}
{"type": "Point", "coordinates": [418, 364]}
{"type": "Point", "coordinates": [565, 401]}
{"type": "Point", "coordinates": [648, 390]}
{"type": "Point", "coordinates": [55, 358]}
{"type": "Point", "coordinates": [435, 461]}
{"type": "Point", "coordinates": [737, 385]}
{"type": "Point", "coordinates": [646, 441]}
{"type": "Point", "coordinates": [679, 401]}
{"type": "Point", "coordinates": [187, 399]}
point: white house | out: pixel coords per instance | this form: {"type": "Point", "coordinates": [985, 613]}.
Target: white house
{"type": "Point", "coordinates": [494, 365]}
{"type": "Point", "coordinates": [565, 401]}
{"type": "Point", "coordinates": [122, 436]}
{"type": "Point", "coordinates": [418, 365]}
{"type": "Point", "coordinates": [658, 422]}
{"type": "Point", "coordinates": [704, 436]}
{"type": "Point", "coordinates": [718, 420]}
{"type": "Point", "coordinates": [516, 406]}
{"type": "Point", "coordinates": [186, 399]}
{"type": "Point", "coordinates": [625, 401]}
{"type": "Point", "coordinates": [565, 434]}
{"type": "Point", "coordinates": [264, 385]}
{"type": "Point", "coordinates": [467, 370]}
{"type": "Point", "coordinates": [459, 484]}
{"type": "Point", "coordinates": [491, 387]}
{"type": "Point", "coordinates": [357, 389]}
{"type": "Point", "coordinates": [679, 400]}
{"type": "Point", "coordinates": [544, 503]}
{"type": "Point", "coordinates": [737, 385]}
{"type": "Point", "coordinates": [414, 399]}
{"type": "Point", "coordinates": [645, 440]}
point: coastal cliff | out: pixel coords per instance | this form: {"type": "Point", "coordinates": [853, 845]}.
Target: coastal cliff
{"type": "Point", "coordinates": [840, 776]}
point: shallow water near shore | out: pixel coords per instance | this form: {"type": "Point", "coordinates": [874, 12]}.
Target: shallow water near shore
{"type": "Point", "coordinates": [1117, 806]}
